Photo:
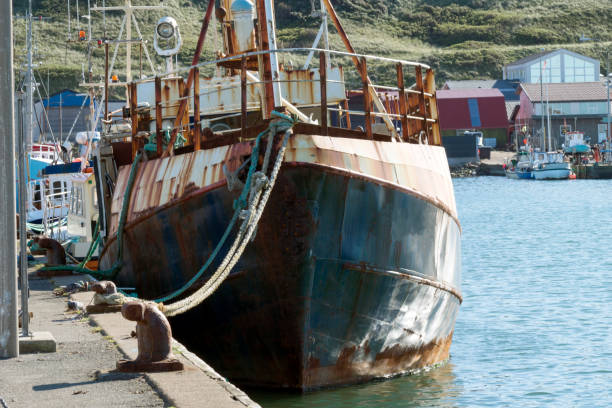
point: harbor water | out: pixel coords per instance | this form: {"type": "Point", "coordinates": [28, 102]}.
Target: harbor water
{"type": "Point", "coordinates": [535, 327]}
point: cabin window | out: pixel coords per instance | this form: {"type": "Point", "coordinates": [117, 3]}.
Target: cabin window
{"type": "Point", "coordinates": [79, 209]}
{"type": "Point", "coordinates": [72, 201]}
{"type": "Point", "coordinates": [57, 187]}
{"type": "Point", "coordinates": [76, 202]}
{"type": "Point", "coordinates": [94, 198]}
{"type": "Point", "coordinates": [37, 196]}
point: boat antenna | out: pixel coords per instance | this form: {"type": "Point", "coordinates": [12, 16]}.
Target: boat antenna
{"type": "Point", "coordinates": [104, 17]}
{"type": "Point", "coordinates": [69, 32]}
{"type": "Point", "coordinates": [29, 79]}
{"type": "Point", "coordinates": [44, 114]}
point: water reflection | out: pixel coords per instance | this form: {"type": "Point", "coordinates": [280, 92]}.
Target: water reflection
{"type": "Point", "coordinates": [436, 387]}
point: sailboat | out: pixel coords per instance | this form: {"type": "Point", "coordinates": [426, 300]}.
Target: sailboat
{"type": "Point", "coordinates": [550, 165]}
{"type": "Point", "coordinates": [348, 268]}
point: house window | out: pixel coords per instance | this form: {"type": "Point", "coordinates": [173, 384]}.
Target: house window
{"type": "Point", "coordinates": [602, 132]}
{"type": "Point", "coordinates": [563, 129]}
{"type": "Point", "coordinates": [555, 69]}
{"type": "Point", "coordinates": [578, 70]}
{"type": "Point", "coordinates": [535, 73]}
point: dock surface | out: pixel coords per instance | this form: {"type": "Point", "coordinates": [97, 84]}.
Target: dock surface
{"type": "Point", "coordinates": [81, 373]}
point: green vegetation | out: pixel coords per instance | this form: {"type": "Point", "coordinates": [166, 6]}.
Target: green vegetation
{"type": "Point", "coordinates": [470, 40]}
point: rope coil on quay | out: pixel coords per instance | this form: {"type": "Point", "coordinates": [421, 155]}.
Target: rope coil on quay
{"type": "Point", "coordinates": [248, 207]}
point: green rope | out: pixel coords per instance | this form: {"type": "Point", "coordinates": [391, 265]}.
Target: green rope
{"type": "Point", "coordinates": [151, 145]}
{"type": "Point", "coordinates": [114, 269]}
{"type": "Point", "coordinates": [285, 123]}
{"type": "Point", "coordinates": [93, 245]}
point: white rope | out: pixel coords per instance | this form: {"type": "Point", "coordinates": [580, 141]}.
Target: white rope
{"type": "Point", "coordinates": [257, 204]}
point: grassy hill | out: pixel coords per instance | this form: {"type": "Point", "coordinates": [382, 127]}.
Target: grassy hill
{"type": "Point", "coordinates": [469, 39]}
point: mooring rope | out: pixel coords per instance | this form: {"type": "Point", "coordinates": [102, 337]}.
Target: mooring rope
{"type": "Point", "coordinates": [250, 198]}
{"type": "Point", "coordinates": [256, 205]}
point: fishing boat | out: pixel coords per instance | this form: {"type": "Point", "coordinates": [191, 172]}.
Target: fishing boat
{"type": "Point", "coordinates": [520, 166]}
{"type": "Point", "coordinates": [47, 189]}
{"type": "Point", "coordinates": [350, 266]}
{"type": "Point", "coordinates": [550, 166]}
{"type": "Point", "coordinates": [575, 143]}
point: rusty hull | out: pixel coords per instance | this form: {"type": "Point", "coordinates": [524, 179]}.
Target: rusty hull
{"type": "Point", "coordinates": [420, 170]}
{"type": "Point", "coordinates": [354, 273]}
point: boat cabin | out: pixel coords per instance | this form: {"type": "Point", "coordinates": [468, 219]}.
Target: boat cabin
{"type": "Point", "coordinates": [83, 214]}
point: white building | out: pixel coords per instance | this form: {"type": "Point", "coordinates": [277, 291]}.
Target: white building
{"type": "Point", "coordinates": [558, 66]}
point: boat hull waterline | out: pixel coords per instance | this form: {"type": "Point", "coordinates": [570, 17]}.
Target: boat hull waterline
{"type": "Point", "coordinates": [519, 175]}
{"type": "Point", "coordinates": [551, 174]}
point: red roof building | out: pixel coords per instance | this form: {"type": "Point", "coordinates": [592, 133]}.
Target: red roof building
{"type": "Point", "coordinates": [473, 109]}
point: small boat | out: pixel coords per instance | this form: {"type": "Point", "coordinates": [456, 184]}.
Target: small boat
{"type": "Point", "coordinates": [520, 167]}
{"type": "Point", "coordinates": [550, 166]}
{"type": "Point", "coordinates": [44, 182]}
{"type": "Point", "coordinates": [519, 173]}
{"type": "Point", "coordinates": [575, 143]}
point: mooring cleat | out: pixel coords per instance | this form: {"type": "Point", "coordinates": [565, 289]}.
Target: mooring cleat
{"type": "Point", "coordinates": [154, 340]}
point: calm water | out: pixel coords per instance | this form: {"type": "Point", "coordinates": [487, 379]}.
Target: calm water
{"type": "Point", "coordinates": [535, 326]}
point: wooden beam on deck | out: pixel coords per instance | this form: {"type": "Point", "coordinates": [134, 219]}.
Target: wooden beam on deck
{"type": "Point", "coordinates": [196, 109]}
{"type": "Point", "coordinates": [323, 82]}
{"type": "Point", "coordinates": [158, 116]}
{"type": "Point", "coordinates": [367, 100]}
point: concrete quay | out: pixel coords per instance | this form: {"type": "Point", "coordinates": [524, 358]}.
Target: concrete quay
{"type": "Point", "coordinates": [81, 372]}
{"type": "Point", "coordinates": [485, 167]}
